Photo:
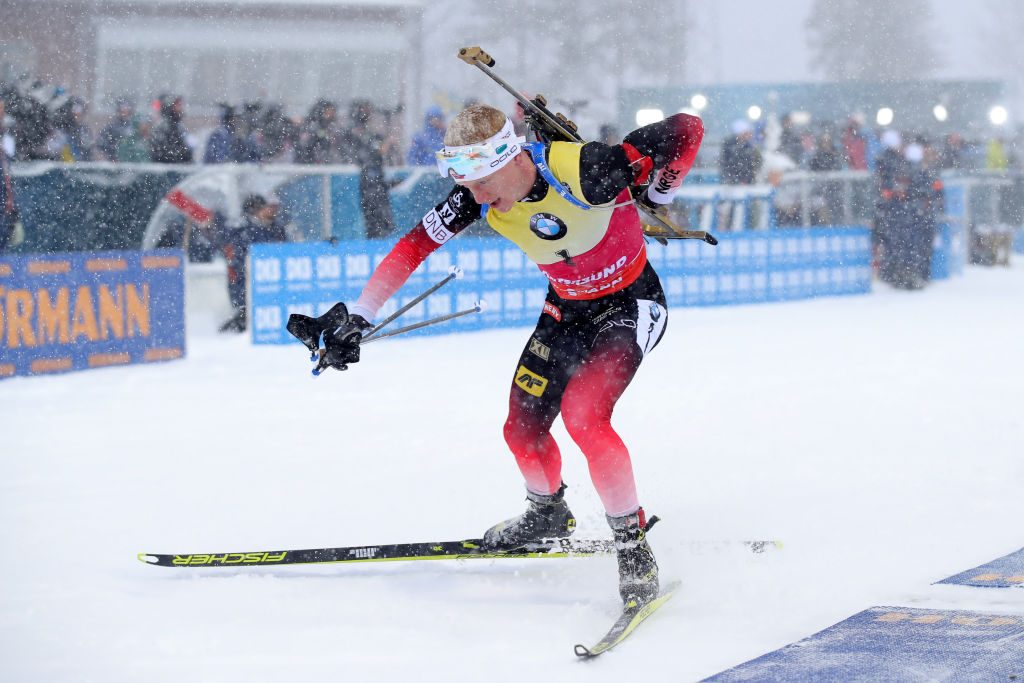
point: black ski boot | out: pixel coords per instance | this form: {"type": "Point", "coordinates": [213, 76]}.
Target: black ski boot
{"type": "Point", "coordinates": [546, 517]}
{"type": "Point", "coordinates": [638, 571]}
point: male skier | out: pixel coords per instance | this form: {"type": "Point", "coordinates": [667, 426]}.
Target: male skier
{"type": "Point", "coordinates": [568, 207]}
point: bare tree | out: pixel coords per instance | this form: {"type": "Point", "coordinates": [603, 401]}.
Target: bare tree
{"type": "Point", "coordinates": [872, 40]}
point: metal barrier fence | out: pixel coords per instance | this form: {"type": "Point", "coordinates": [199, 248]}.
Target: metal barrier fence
{"type": "Point", "coordinates": [95, 206]}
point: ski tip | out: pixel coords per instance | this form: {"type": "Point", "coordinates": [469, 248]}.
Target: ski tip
{"type": "Point", "coordinates": [147, 558]}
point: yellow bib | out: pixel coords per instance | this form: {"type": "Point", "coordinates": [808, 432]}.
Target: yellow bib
{"type": "Point", "coordinates": [551, 229]}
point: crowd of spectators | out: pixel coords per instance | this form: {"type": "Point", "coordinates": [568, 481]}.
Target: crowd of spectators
{"type": "Point", "coordinates": [46, 123]}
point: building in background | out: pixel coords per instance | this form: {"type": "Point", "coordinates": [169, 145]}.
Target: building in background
{"type": "Point", "coordinates": [287, 51]}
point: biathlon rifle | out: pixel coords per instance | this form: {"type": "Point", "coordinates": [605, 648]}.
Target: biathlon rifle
{"type": "Point", "coordinates": [555, 127]}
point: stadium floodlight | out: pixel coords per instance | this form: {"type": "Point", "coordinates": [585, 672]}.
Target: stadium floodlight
{"type": "Point", "coordinates": [884, 116]}
{"type": "Point", "coordinates": [645, 117]}
{"type": "Point", "coordinates": [753, 112]}
{"type": "Point", "coordinates": [998, 115]}
{"type": "Point", "coordinates": [698, 102]}
{"type": "Point", "coordinates": [800, 117]}
{"type": "Point", "coordinates": [940, 112]}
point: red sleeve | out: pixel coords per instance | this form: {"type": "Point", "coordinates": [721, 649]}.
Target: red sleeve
{"type": "Point", "coordinates": [670, 146]}
{"type": "Point", "coordinates": [405, 257]}
{"type": "Point", "coordinates": [457, 212]}
{"type": "Point", "coordinates": [673, 141]}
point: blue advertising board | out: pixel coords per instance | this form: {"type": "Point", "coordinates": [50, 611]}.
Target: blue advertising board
{"type": "Point", "coordinates": [898, 644]}
{"type": "Point", "coordinates": [747, 267]}
{"type": "Point", "coordinates": [1004, 572]}
{"type": "Point", "coordinates": [73, 311]}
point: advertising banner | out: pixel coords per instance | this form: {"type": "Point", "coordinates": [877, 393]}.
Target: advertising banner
{"type": "Point", "coordinates": [898, 644]}
{"type": "Point", "coordinates": [748, 267]}
{"type": "Point", "coordinates": [74, 311]}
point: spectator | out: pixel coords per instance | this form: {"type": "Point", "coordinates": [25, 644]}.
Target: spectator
{"type": "Point", "coordinates": [951, 158]}
{"type": "Point", "coordinates": [826, 204]}
{"type": "Point", "coordinates": [609, 135]}
{"type": "Point", "coordinates": [225, 145]}
{"type": "Point", "coordinates": [366, 149]}
{"type": "Point", "coordinates": [739, 161]}
{"type": "Point", "coordinates": [790, 142]}
{"type": "Point", "coordinates": [889, 165]}
{"type": "Point", "coordinates": [996, 158]}
{"type": "Point", "coordinates": [251, 119]}
{"type": "Point", "coordinates": [260, 223]}
{"type": "Point", "coordinates": [910, 227]}
{"type": "Point", "coordinates": [70, 139]}
{"type": "Point", "coordinates": [276, 136]}
{"type": "Point", "coordinates": [429, 140]}
{"type": "Point", "coordinates": [319, 140]}
{"type": "Point", "coordinates": [892, 177]}
{"type": "Point", "coordinates": [134, 147]}
{"type": "Point", "coordinates": [169, 141]}
{"type": "Point", "coordinates": [925, 203]}
{"type": "Point", "coordinates": [786, 206]}
{"type": "Point", "coordinates": [10, 228]}
{"type": "Point", "coordinates": [855, 144]}
{"type": "Point", "coordinates": [122, 125]}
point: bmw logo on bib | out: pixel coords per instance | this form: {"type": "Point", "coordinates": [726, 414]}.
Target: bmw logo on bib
{"type": "Point", "coordinates": [547, 226]}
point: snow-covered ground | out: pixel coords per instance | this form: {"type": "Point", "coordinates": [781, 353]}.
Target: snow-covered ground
{"type": "Point", "coordinates": [881, 438]}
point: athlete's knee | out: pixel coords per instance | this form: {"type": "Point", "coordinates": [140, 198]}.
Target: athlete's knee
{"type": "Point", "coordinates": [522, 430]}
{"type": "Point", "coordinates": [584, 422]}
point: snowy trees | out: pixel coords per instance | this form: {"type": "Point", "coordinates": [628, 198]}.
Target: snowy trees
{"type": "Point", "coordinates": [872, 40]}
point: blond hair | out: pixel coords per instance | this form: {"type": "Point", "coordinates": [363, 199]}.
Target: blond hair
{"type": "Point", "coordinates": [474, 124]}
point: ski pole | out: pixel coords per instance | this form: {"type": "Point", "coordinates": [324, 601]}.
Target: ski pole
{"type": "Point", "coordinates": [454, 273]}
{"type": "Point", "coordinates": [477, 307]}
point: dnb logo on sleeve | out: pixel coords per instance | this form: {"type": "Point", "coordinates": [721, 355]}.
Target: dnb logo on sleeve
{"type": "Point", "coordinates": [547, 226]}
{"type": "Point", "coordinates": [898, 644]}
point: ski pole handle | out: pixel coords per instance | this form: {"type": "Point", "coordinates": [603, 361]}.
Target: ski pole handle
{"type": "Point", "coordinates": [454, 273]}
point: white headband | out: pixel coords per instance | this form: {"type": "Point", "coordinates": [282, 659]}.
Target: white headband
{"type": "Point", "coordinates": [475, 161]}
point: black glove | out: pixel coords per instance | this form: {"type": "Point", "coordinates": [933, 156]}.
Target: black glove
{"type": "Point", "coordinates": [341, 343]}
{"type": "Point", "coordinates": [341, 334]}
{"type": "Point", "coordinates": [309, 330]}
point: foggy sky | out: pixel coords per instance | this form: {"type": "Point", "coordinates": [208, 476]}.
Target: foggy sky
{"type": "Point", "coordinates": [729, 43]}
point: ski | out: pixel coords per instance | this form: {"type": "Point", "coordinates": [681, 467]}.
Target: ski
{"type": "Point", "coordinates": [627, 622]}
{"type": "Point", "coordinates": [470, 549]}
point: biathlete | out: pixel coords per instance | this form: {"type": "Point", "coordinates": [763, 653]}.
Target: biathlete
{"type": "Point", "coordinates": [568, 207]}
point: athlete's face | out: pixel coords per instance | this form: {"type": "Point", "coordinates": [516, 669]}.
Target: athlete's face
{"type": "Point", "coordinates": [506, 186]}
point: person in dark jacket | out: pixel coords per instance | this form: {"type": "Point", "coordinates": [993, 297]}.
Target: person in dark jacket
{"type": "Point", "coordinates": [168, 141]}
{"type": "Point", "coordinates": [739, 161]}
{"type": "Point", "coordinates": [366, 149]}
{"type": "Point", "coordinates": [428, 140]}
{"type": "Point", "coordinates": [890, 181]}
{"type": "Point", "coordinates": [260, 223]}
{"type": "Point", "coordinates": [120, 127]}
{"type": "Point", "coordinates": [8, 207]}
{"type": "Point", "coordinates": [319, 140]}
{"type": "Point", "coordinates": [924, 204]}
{"type": "Point", "coordinates": [225, 145]}
{"type": "Point", "coordinates": [71, 139]}
{"type": "Point", "coordinates": [827, 204]}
